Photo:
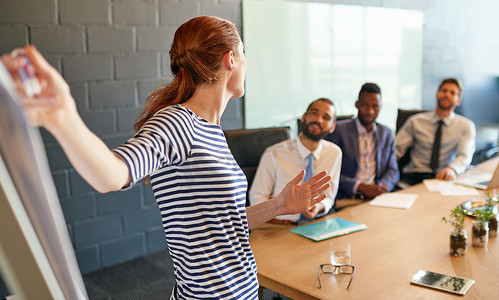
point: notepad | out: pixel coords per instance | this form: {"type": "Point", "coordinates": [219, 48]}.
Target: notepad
{"type": "Point", "coordinates": [328, 229]}
{"type": "Point", "coordinates": [394, 200]}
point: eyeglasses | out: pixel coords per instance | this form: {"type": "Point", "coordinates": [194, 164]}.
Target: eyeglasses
{"type": "Point", "coordinates": [333, 269]}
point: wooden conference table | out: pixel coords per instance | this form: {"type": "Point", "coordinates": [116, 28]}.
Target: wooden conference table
{"type": "Point", "coordinates": [396, 244]}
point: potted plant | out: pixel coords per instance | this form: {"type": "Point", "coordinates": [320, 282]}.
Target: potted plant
{"type": "Point", "coordinates": [458, 235]}
{"type": "Point", "coordinates": [491, 205]}
{"type": "Point", "coordinates": [480, 229]}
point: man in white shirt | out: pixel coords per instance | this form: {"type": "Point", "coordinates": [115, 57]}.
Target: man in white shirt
{"type": "Point", "coordinates": [282, 162]}
{"type": "Point", "coordinates": [429, 159]}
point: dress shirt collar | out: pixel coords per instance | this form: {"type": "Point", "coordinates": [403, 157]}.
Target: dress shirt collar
{"type": "Point", "coordinates": [362, 130]}
{"type": "Point", "coordinates": [304, 152]}
{"type": "Point", "coordinates": [447, 120]}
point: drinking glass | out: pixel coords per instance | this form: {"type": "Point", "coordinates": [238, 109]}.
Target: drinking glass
{"type": "Point", "coordinates": [340, 253]}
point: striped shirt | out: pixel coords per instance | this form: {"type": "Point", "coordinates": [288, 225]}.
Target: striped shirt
{"type": "Point", "coordinates": [201, 193]}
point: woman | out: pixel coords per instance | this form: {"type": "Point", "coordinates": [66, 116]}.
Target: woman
{"type": "Point", "coordinates": [198, 186]}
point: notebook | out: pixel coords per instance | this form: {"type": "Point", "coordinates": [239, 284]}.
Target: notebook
{"type": "Point", "coordinates": [481, 180]}
{"type": "Point", "coordinates": [395, 200]}
{"type": "Point", "coordinates": [328, 229]}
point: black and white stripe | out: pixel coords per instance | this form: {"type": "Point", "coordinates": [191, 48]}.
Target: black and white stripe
{"type": "Point", "coordinates": [201, 193]}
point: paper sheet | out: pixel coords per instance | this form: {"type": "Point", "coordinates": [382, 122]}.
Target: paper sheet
{"type": "Point", "coordinates": [395, 200]}
{"type": "Point", "coordinates": [448, 188]}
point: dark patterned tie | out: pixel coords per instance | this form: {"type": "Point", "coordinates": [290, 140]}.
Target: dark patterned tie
{"type": "Point", "coordinates": [435, 153]}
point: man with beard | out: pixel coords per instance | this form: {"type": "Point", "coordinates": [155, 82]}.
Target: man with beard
{"type": "Point", "coordinates": [281, 162]}
{"type": "Point", "coordinates": [428, 158]}
{"type": "Point", "coordinates": [369, 167]}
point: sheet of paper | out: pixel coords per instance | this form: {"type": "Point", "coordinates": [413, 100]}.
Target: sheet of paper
{"type": "Point", "coordinates": [437, 185]}
{"type": "Point", "coordinates": [448, 188]}
{"type": "Point", "coordinates": [395, 200]}
{"type": "Point", "coordinates": [458, 190]}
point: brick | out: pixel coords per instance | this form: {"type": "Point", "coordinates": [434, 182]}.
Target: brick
{"type": "Point", "coordinates": [112, 94]}
{"type": "Point", "coordinates": [61, 183]}
{"type": "Point", "coordinates": [59, 39]}
{"type": "Point", "coordinates": [88, 259]}
{"type": "Point", "coordinates": [110, 39]}
{"type": "Point", "coordinates": [80, 94]}
{"type": "Point", "coordinates": [100, 122]}
{"type": "Point", "coordinates": [122, 250]}
{"type": "Point", "coordinates": [141, 220]}
{"type": "Point", "coordinates": [126, 118]}
{"type": "Point", "coordinates": [28, 11]}
{"type": "Point", "coordinates": [148, 196]}
{"type": "Point", "coordinates": [228, 10]}
{"type": "Point", "coordinates": [137, 66]}
{"type": "Point", "coordinates": [146, 87]}
{"type": "Point", "coordinates": [175, 13]}
{"type": "Point", "coordinates": [156, 240]}
{"type": "Point", "coordinates": [46, 136]}
{"type": "Point", "coordinates": [155, 38]}
{"type": "Point", "coordinates": [84, 12]}
{"type": "Point", "coordinates": [119, 201]}
{"type": "Point", "coordinates": [77, 185]}
{"type": "Point", "coordinates": [55, 62]}
{"type": "Point", "coordinates": [116, 140]}
{"type": "Point", "coordinates": [56, 157]}
{"type": "Point", "coordinates": [12, 37]}
{"type": "Point", "coordinates": [135, 13]}
{"type": "Point", "coordinates": [79, 208]}
{"type": "Point", "coordinates": [89, 67]}
{"type": "Point", "coordinates": [166, 72]}
{"type": "Point", "coordinates": [97, 230]}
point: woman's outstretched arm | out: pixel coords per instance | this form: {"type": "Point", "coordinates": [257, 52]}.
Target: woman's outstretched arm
{"type": "Point", "coordinates": [55, 110]}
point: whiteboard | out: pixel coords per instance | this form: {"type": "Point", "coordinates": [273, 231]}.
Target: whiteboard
{"type": "Point", "coordinates": [37, 259]}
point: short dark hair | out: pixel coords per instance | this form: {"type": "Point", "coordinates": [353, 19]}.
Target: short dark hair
{"type": "Point", "coordinates": [455, 81]}
{"type": "Point", "coordinates": [369, 87]}
{"type": "Point", "coordinates": [327, 100]}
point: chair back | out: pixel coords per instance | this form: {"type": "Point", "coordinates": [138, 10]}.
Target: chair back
{"type": "Point", "coordinates": [248, 145]}
{"type": "Point", "coordinates": [402, 116]}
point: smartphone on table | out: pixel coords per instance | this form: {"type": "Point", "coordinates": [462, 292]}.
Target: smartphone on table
{"type": "Point", "coordinates": [443, 282]}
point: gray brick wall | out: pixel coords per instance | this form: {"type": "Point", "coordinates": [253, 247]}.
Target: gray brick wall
{"type": "Point", "coordinates": [114, 52]}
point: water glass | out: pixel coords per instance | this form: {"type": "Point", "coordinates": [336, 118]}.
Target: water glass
{"type": "Point", "coordinates": [340, 253]}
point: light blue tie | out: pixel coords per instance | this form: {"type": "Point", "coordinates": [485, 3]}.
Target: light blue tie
{"type": "Point", "coordinates": [310, 168]}
{"type": "Point", "coordinates": [310, 172]}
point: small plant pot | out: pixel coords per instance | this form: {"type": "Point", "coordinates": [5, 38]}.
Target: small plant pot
{"type": "Point", "coordinates": [458, 242]}
{"type": "Point", "coordinates": [493, 226]}
{"type": "Point", "coordinates": [480, 236]}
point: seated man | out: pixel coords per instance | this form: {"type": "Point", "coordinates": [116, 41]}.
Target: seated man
{"type": "Point", "coordinates": [369, 167]}
{"type": "Point", "coordinates": [441, 143]}
{"type": "Point", "coordinates": [283, 161]}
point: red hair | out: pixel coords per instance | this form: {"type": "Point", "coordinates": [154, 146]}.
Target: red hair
{"type": "Point", "coordinates": [195, 59]}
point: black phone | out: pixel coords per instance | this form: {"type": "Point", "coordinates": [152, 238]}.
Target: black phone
{"type": "Point", "coordinates": [443, 282]}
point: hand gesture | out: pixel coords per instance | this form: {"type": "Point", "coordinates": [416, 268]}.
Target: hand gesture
{"type": "Point", "coordinates": [298, 197]}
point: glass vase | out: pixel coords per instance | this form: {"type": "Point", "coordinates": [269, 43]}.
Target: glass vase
{"type": "Point", "coordinates": [458, 242]}
{"type": "Point", "coordinates": [480, 235]}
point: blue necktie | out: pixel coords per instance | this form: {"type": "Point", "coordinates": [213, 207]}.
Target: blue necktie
{"type": "Point", "coordinates": [310, 171]}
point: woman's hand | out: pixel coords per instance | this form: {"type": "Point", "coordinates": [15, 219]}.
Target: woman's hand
{"type": "Point", "coordinates": [54, 105]}
{"type": "Point", "coordinates": [298, 197]}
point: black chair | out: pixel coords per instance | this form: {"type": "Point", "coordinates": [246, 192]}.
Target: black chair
{"type": "Point", "coordinates": [402, 116]}
{"type": "Point", "coordinates": [248, 145]}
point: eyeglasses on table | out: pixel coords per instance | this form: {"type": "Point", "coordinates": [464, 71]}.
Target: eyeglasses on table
{"type": "Point", "coordinates": [336, 269]}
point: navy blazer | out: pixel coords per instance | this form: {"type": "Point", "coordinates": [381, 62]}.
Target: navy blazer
{"type": "Point", "coordinates": [346, 137]}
